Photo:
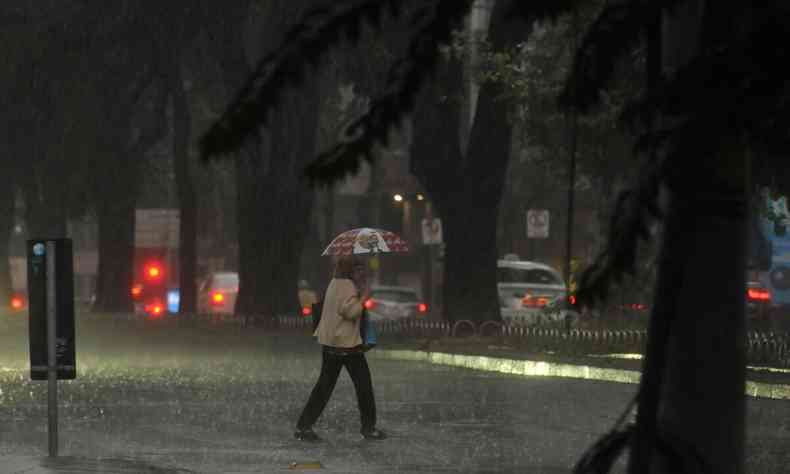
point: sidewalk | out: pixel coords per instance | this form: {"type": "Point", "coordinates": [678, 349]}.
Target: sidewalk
{"type": "Point", "coordinates": [484, 354]}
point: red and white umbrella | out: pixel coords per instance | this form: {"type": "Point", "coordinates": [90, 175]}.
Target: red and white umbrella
{"type": "Point", "coordinates": [366, 241]}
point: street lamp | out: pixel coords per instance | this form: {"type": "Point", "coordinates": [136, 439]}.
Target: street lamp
{"type": "Point", "coordinates": [398, 198]}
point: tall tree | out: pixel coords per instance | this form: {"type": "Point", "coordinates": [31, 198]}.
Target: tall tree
{"type": "Point", "coordinates": [701, 406]}
{"type": "Point", "coordinates": [130, 119]}
{"type": "Point", "coordinates": [436, 25]}
{"type": "Point", "coordinates": [75, 127]}
{"type": "Point", "coordinates": [704, 125]}
{"type": "Point", "coordinates": [274, 201]}
{"type": "Point", "coordinates": [467, 188]}
{"type": "Point", "coordinates": [697, 133]}
{"type": "Point", "coordinates": [177, 24]}
{"type": "Point", "coordinates": [185, 189]}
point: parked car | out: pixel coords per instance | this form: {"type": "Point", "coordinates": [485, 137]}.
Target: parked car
{"type": "Point", "coordinates": [394, 303]}
{"type": "Point", "coordinates": [528, 290]}
{"type": "Point", "coordinates": [758, 301]}
{"type": "Point", "coordinates": [217, 293]}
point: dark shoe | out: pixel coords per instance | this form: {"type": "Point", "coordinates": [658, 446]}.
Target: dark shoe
{"type": "Point", "coordinates": [306, 435]}
{"type": "Point", "coordinates": [374, 435]}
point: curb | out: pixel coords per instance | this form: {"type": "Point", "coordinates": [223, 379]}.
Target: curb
{"type": "Point", "coordinates": [551, 369]}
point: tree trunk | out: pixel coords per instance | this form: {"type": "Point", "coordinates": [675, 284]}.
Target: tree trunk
{"type": "Point", "coordinates": [698, 377]}
{"type": "Point", "coordinates": [701, 400]}
{"type": "Point", "coordinates": [470, 290]}
{"type": "Point", "coordinates": [703, 403]}
{"type": "Point", "coordinates": [273, 202]}
{"type": "Point", "coordinates": [467, 190]}
{"type": "Point", "coordinates": [274, 209]}
{"type": "Point", "coordinates": [116, 254]}
{"type": "Point", "coordinates": [187, 234]}
{"type": "Point", "coordinates": [7, 213]}
{"type": "Point", "coordinates": [272, 226]}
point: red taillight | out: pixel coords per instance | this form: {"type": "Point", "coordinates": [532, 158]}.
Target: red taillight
{"type": "Point", "coordinates": [370, 304]}
{"type": "Point", "coordinates": [155, 309]}
{"type": "Point", "coordinates": [17, 303]}
{"type": "Point", "coordinates": [530, 301]}
{"type": "Point", "coordinates": [758, 294]}
{"type": "Point", "coordinates": [137, 290]}
{"type": "Point", "coordinates": [307, 311]}
{"type": "Point", "coordinates": [217, 298]}
{"type": "Point", "coordinates": [422, 307]}
{"type": "Point", "coordinates": [572, 300]}
{"type": "Point", "coordinates": [153, 272]}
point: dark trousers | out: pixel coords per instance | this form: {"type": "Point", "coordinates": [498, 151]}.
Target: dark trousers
{"type": "Point", "coordinates": [358, 369]}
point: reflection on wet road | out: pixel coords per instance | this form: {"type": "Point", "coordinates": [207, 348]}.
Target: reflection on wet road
{"type": "Point", "coordinates": [174, 400]}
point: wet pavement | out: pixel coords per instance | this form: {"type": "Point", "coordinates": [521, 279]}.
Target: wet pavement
{"type": "Point", "coordinates": [164, 399]}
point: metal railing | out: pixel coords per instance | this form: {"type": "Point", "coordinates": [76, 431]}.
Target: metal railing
{"type": "Point", "coordinates": [763, 348]}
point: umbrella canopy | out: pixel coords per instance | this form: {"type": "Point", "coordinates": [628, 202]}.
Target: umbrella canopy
{"type": "Point", "coordinates": [366, 241]}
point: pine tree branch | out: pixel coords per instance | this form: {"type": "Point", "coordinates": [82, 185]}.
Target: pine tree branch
{"type": "Point", "coordinates": [617, 30]}
{"type": "Point", "coordinates": [311, 39]}
{"type": "Point", "coordinates": [405, 81]}
{"type": "Point", "coordinates": [304, 45]}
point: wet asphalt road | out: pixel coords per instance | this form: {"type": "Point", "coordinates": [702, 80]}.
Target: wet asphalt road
{"type": "Point", "coordinates": [164, 399]}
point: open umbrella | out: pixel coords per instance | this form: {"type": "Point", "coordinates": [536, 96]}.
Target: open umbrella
{"type": "Point", "coordinates": [366, 241]}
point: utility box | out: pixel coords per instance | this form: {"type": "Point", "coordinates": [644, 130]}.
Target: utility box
{"type": "Point", "coordinates": [50, 283]}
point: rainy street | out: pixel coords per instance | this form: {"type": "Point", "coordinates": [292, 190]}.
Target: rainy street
{"type": "Point", "coordinates": [162, 398]}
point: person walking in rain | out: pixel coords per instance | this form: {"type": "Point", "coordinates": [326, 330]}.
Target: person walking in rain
{"type": "Point", "coordinates": [339, 335]}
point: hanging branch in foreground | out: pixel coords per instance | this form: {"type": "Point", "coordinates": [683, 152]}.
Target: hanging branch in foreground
{"type": "Point", "coordinates": [750, 88]}
{"type": "Point", "coordinates": [634, 213]}
{"type": "Point", "coordinates": [749, 93]}
{"type": "Point", "coordinates": [618, 29]}
{"type": "Point", "coordinates": [311, 39]}
{"type": "Point", "coordinates": [305, 44]}
{"type": "Point", "coordinates": [405, 80]}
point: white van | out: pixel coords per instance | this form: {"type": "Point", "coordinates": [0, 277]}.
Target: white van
{"type": "Point", "coordinates": [528, 289]}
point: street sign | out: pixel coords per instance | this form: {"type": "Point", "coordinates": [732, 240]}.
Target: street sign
{"type": "Point", "coordinates": [51, 288]}
{"type": "Point", "coordinates": [432, 231]}
{"type": "Point", "coordinates": [537, 224]}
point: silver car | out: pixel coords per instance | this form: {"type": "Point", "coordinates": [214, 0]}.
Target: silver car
{"type": "Point", "coordinates": [217, 293]}
{"type": "Point", "coordinates": [528, 290]}
{"type": "Point", "coordinates": [394, 303]}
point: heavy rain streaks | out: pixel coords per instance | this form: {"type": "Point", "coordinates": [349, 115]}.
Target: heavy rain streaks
{"type": "Point", "coordinates": [164, 398]}
{"type": "Point", "coordinates": [501, 206]}
{"type": "Point", "coordinates": [213, 400]}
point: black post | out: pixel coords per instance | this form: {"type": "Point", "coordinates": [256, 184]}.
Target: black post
{"type": "Point", "coordinates": [51, 321]}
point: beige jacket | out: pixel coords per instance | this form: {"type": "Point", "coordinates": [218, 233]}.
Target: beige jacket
{"type": "Point", "coordinates": [339, 326]}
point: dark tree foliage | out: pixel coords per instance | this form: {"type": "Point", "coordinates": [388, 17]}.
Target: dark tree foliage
{"type": "Point", "coordinates": [734, 85]}
{"type": "Point", "coordinates": [736, 82]}
{"type": "Point", "coordinates": [306, 44]}
{"type": "Point", "coordinates": [432, 24]}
